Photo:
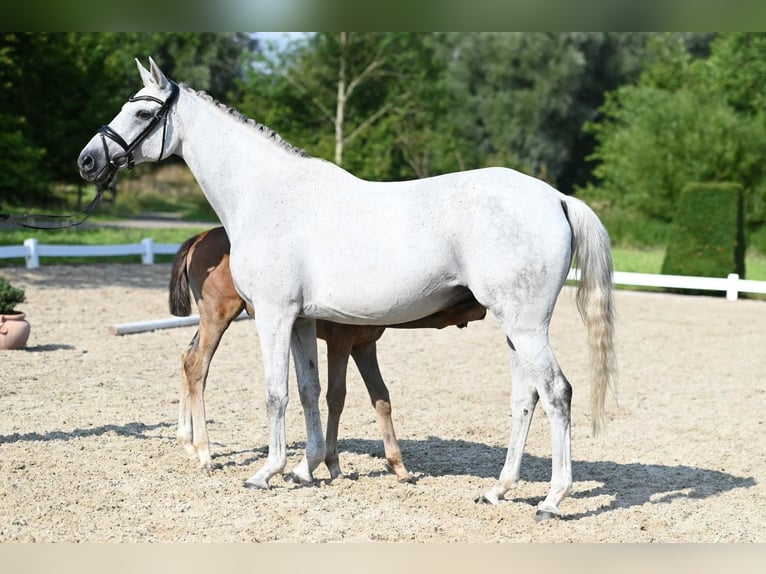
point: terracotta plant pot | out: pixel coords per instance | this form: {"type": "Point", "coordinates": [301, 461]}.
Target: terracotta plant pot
{"type": "Point", "coordinates": [14, 331]}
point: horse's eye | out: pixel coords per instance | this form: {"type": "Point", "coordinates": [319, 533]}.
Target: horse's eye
{"type": "Point", "coordinates": [143, 114]}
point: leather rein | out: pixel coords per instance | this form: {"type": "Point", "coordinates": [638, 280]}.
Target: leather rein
{"type": "Point", "coordinates": [113, 165]}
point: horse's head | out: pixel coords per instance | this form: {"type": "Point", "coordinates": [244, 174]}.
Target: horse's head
{"type": "Point", "coordinates": [140, 132]}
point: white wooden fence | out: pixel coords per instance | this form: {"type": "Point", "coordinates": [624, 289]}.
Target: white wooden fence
{"type": "Point", "coordinates": [31, 251]}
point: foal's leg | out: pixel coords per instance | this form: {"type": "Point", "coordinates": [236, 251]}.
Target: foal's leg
{"type": "Point", "coordinates": [304, 348]}
{"type": "Point", "coordinates": [196, 362]}
{"type": "Point", "coordinates": [185, 433]}
{"type": "Point", "coordinates": [196, 365]}
{"type": "Point", "coordinates": [366, 359]}
{"type": "Point", "coordinates": [338, 352]}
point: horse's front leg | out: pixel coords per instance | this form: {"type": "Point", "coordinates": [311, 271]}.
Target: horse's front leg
{"type": "Point", "coordinates": [304, 348]}
{"type": "Point", "coordinates": [274, 328]}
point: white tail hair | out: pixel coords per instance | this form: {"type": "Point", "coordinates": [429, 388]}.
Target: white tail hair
{"type": "Point", "coordinates": [593, 257]}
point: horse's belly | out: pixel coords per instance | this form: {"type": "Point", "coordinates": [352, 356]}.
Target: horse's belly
{"type": "Point", "coordinates": [382, 308]}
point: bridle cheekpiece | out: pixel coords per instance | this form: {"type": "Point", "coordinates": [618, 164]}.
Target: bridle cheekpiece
{"type": "Point", "coordinates": [125, 159]}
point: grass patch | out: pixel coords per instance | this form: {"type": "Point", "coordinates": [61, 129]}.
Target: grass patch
{"type": "Point", "coordinates": [635, 260]}
{"type": "Point", "coordinates": [100, 235]}
{"type": "Point", "coordinates": [169, 189]}
{"type": "Point", "coordinates": [755, 266]}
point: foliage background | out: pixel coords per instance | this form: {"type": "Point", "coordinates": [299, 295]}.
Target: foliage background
{"type": "Point", "coordinates": [622, 119]}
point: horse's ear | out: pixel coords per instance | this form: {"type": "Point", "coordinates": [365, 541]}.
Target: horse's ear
{"type": "Point", "coordinates": [146, 76]}
{"type": "Point", "coordinates": [157, 75]}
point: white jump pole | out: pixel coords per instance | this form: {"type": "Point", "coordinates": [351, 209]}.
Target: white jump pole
{"type": "Point", "coordinates": [156, 324]}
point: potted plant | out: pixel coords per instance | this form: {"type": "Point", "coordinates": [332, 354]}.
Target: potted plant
{"type": "Point", "coordinates": [14, 327]}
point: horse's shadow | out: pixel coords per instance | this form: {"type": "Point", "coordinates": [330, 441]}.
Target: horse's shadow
{"type": "Point", "coordinates": [50, 347]}
{"type": "Point", "coordinates": [625, 484]}
{"type": "Point", "coordinates": [136, 430]}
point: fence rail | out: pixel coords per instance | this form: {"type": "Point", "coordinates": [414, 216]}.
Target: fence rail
{"type": "Point", "coordinates": [31, 251]}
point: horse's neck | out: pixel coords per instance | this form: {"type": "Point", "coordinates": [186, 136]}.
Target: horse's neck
{"type": "Point", "coordinates": [236, 166]}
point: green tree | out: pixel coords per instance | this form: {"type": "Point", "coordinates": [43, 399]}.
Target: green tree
{"type": "Point", "coordinates": [427, 103]}
{"type": "Point", "coordinates": [687, 119]}
{"type": "Point", "coordinates": [22, 181]}
{"type": "Point", "coordinates": [59, 87]}
{"type": "Point", "coordinates": [372, 102]}
{"type": "Point", "coordinates": [522, 98]}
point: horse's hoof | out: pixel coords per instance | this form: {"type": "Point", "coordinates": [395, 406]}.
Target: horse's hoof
{"type": "Point", "coordinates": [191, 452]}
{"type": "Point", "coordinates": [543, 515]}
{"type": "Point", "coordinates": [336, 474]}
{"type": "Point", "coordinates": [484, 499]}
{"type": "Point", "coordinates": [256, 484]}
{"type": "Point", "coordinates": [295, 479]}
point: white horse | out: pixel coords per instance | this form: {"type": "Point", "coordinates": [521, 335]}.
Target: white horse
{"type": "Point", "coordinates": [311, 241]}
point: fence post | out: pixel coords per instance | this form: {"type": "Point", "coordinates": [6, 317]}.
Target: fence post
{"type": "Point", "coordinates": [33, 260]}
{"type": "Point", "coordinates": [148, 257]}
{"type": "Point", "coordinates": [732, 287]}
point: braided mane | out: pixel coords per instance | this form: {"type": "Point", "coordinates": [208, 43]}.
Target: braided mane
{"type": "Point", "coordinates": [262, 129]}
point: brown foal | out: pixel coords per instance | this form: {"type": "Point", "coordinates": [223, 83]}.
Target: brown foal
{"type": "Point", "coordinates": [202, 265]}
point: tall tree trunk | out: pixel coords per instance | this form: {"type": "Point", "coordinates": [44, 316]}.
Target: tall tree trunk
{"type": "Point", "coordinates": [340, 106]}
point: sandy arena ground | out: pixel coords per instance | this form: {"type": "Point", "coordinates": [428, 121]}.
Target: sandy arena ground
{"type": "Point", "coordinates": [88, 423]}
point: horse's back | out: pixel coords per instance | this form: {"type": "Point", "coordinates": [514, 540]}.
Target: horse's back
{"type": "Point", "coordinates": [410, 249]}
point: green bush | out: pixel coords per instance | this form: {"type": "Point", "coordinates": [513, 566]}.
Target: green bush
{"type": "Point", "coordinates": [10, 296]}
{"type": "Point", "coordinates": [707, 235]}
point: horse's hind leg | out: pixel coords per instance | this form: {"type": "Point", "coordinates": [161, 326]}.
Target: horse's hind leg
{"type": "Point", "coordinates": [536, 373]}
{"type": "Point", "coordinates": [524, 398]}
{"type": "Point", "coordinates": [366, 359]}
{"type": "Point", "coordinates": [557, 402]}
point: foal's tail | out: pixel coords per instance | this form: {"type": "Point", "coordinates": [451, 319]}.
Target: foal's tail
{"type": "Point", "coordinates": [593, 257]}
{"type": "Point", "coordinates": [178, 289]}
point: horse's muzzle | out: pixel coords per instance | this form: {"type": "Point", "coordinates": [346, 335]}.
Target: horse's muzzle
{"type": "Point", "coordinates": [94, 168]}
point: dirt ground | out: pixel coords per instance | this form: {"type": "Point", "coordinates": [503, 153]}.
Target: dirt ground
{"type": "Point", "coordinates": [88, 423]}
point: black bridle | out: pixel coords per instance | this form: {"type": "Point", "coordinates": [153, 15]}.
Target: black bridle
{"type": "Point", "coordinates": [113, 164]}
{"type": "Point", "coordinates": [125, 159]}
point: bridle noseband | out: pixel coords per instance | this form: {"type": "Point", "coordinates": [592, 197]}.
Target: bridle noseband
{"type": "Point", "coordinates": [125, 159]}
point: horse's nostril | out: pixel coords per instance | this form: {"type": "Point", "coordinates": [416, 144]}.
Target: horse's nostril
{"type": "Point", "coordinates": [86, 162]}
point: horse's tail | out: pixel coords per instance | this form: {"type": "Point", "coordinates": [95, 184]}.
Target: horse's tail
{"type": "Point", "coordinates": [178, 288]}
{"type": "Point", "coordinates": [593, 257]}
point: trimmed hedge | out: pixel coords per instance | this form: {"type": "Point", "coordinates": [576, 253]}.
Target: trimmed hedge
{"type": "Point", "coordinates": [707, 237]}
